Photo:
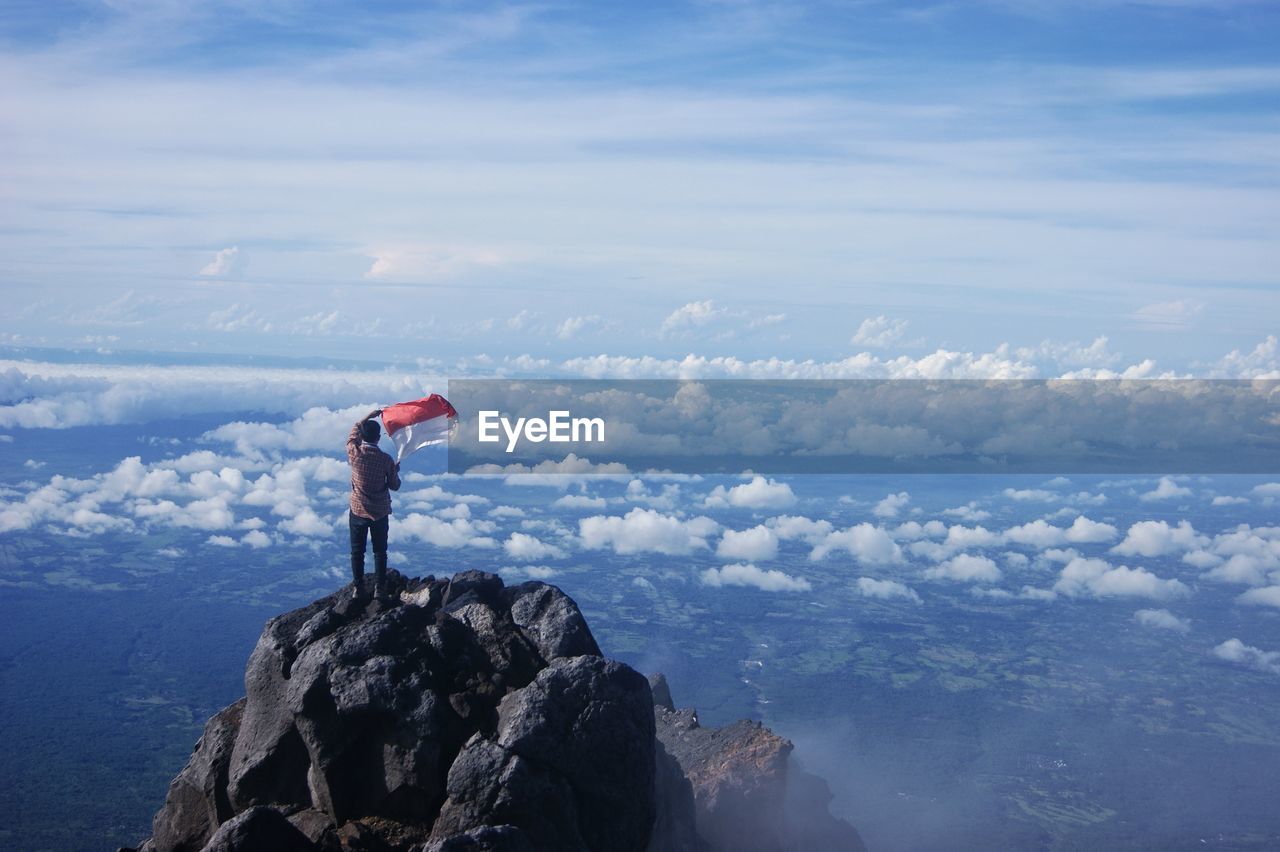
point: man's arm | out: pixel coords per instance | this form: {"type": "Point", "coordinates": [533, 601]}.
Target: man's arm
{"type": "Point", "coordinates": [354, 439]}
{"type": "Point", "coordinates": [393, 478]}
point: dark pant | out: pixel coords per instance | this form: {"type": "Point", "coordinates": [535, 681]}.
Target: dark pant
{"type": "Point", "coordinates": [360, 530]}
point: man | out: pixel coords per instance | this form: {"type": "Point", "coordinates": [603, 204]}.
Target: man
{"type": "Point", "coordinates": [374, 475]}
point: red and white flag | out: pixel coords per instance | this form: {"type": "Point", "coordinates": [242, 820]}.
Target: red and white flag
{"type": "Point", "coordinates": [413, 425]}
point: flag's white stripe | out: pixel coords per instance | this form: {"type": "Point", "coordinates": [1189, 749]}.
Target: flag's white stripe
{"type": "Point", "coordinates": [415, 436]}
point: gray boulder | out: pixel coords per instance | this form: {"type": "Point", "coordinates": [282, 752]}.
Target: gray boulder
{"type": "Point", "coordinates": [259, 829]}
{"type": "Point", "coordinates": [390, 724]}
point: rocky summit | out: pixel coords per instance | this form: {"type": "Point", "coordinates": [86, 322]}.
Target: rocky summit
{"type": "Point", "coordinates": [463, 714]}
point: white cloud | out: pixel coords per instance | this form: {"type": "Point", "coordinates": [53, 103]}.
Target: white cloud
{"type": "Point", "coordinates": [1016, 560]}
{"type": "Point", "coordinates": [1085, 531]}
{"type": "Point", "coordinates": [1037, 494]}
{"type": "Point", "coordinates": [791, 527]}
{"type": "Point", "coordinates": [1239, 568]}
{"type": "Point", "coordinates": [646, 530]}
{"type": "Point", "coordinates": [503, 512]}
{"type": "Point", "coordinates": [222, 541]}
{"type": "Point", "coordinates": [1269, 596]}
{"type": "Point", "coordinates": [1235, 651]}
{"type": "Point", "coordinates": [307, 524]}
{"type": "Point", "coordinates": [865, 543]}
{"type": "Point", "coordinates": [891, 505]}
{"type": "Point", "coordinates": [1166, 490]}
{"type": "Point", "coordinates": [1036, 534]}
{"type": "Point", "coordinates": [878, 332]}
{"type": "Point", "coordinates": [256, 539]}
{"type": "Point", "coordinates": [1157, 538]}
{"type": "Point", "coordinates": [759, 493]}
{"type": "Point", "coordinates": [42, 395]}
{"type": "Point", "coordinates": [691, 315]}
{"type": "Point", "coordinates": [225, 262]}
{"type": "Point", "coordinates": [458, 532]}
{"type": "Point", "coordinates": [533, 572]}
{"type": "Point", "coordinates": [751, 545]}
{"type": "Point", "coordinates": [966, 568]}
{"type": "Point", "coordinates": [580, 501]}
{"type": "Point", "coordinates": [524, 546]}
{"type": "Point", "coordinates": [1161, 619]}
{"type": "Point", "coordinates": [1267, 489]}
{"type": "Point", "coordinates": [914, 530]}
{"type": "Point", "coordinates": [571, 326]}
{"type": "Point", "coordinates": [886, 589]}
{"type": "Point", "coordinates": [968, 512]}
{"type": "Point", "coordinates": [431, 262]}
{"type": "Point", "coordinates": [1098, 578]}
{"type": "Point", "coordinates": [750, 575]}
{"type": "Point", "coordinates": [1224, 500]}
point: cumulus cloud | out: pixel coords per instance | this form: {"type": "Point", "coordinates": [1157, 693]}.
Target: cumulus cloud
{"type": "Point", "coordinates": [886, 589]}
{"type": "Point", "coordinates": [1161, 619]}
{"type": "Point", "coordinates": [1267, 490]}
{"type": "Point", "coordinates": [691, 315]}
{"type": "Point", "coordinates": [580, 501]}
{"type": "Point", "coordinates": [458, 532]}
{"type": "Point", "coordinates": [1036, 534]}
{"type": "Point", "coordinates": [968, 512]}
{"type": "Point", "coordinates": [791, 527]}
{"type": "Point", "coordinates": [227, 261]}
{"type": "Point", "coordinates": [1269, 596]}
{"type": "Point", "coordinates": [524, 546]}
{"type": "Point", "coordinates": [1082, 577]}
{"type": "Point", "coordinates": [1166, 490]}
{"type": "Point", "coordinates": [751, 545]}
{"type": "Point", "coordinates": [1239, 568]}
{"type": "Point", "coordinates": [571, 326]}
{"type": "Point", "coordinates": [879, 331]}
{"type": "Point", "coordinates": [1157, 538]}
{"type": "Point", "coordinates": [1235, 651]}
{"type": "Point", "coordinates": [866, 543]}
{"type": "Point", "coordinates": [966, 568]}
{"type": "Point", "coordinates": [1085, 531]}
{"type": "Point", "coordinates": [746, 574]}
{"type": "Point", "coordinates": [891, 505]}
{"type": "Point", "coordinates": [759, 493]}
{"type": "Point", "coordinates": [646, 530]}
{"type": "Point", "coordinates": [914, 530]}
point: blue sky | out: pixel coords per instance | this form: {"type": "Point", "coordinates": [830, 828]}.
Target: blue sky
{"type": "Point", "coordinates": [732, 180]}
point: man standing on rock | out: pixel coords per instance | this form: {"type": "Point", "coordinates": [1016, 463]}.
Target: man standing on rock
{"type": "Point", "coordinates": [374, 475]}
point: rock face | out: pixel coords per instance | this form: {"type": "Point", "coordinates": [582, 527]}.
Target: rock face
{"type": "Point", "coordinates": [460, 714]}
{"type": "Point", "coordinates": [748, 792]}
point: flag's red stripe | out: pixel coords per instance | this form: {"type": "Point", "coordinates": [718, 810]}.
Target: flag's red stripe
{"type": "Point", "coordinates": [402, 414]}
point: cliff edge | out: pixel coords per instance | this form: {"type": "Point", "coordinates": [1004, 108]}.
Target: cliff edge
{"type": "Point", "coordinates": [463, 714]}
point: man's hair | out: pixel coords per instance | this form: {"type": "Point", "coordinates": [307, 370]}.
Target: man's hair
{"type": "Point", "coordinates": [370, 431]}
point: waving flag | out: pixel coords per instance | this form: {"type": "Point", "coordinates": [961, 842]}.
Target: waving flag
{"type": "Point", "coordinates": [413, 425]}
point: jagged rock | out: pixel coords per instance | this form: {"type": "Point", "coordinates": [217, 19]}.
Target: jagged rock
{"type": "Point", "coordinates": [661, 691]}
{"type": "Point", "coordinates": [460, 714]}
{"type": "Point", "coordinates": [498, 838]}
{"type": "Point", "coordinates": [259, 829]}
{"type": "Point", "coordinates": [197, 800]}
{"type": "Point", "coordinates": [552, 620]}
{"type": "Point", "coordinates": [590, 720]}
{"type": "Point", "coordinates": [352, 732]}
{"type": "Point", "coordinates": [743, 791]}
{"type": "Point", "coordinates": [676, 827]}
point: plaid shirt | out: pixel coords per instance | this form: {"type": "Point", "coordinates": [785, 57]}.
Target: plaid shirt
{"type": "Point", "coordinates": [374, 475]}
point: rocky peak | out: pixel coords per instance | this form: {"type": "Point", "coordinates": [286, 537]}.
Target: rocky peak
{"type": "Point", "coordinates": [457, 714]}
